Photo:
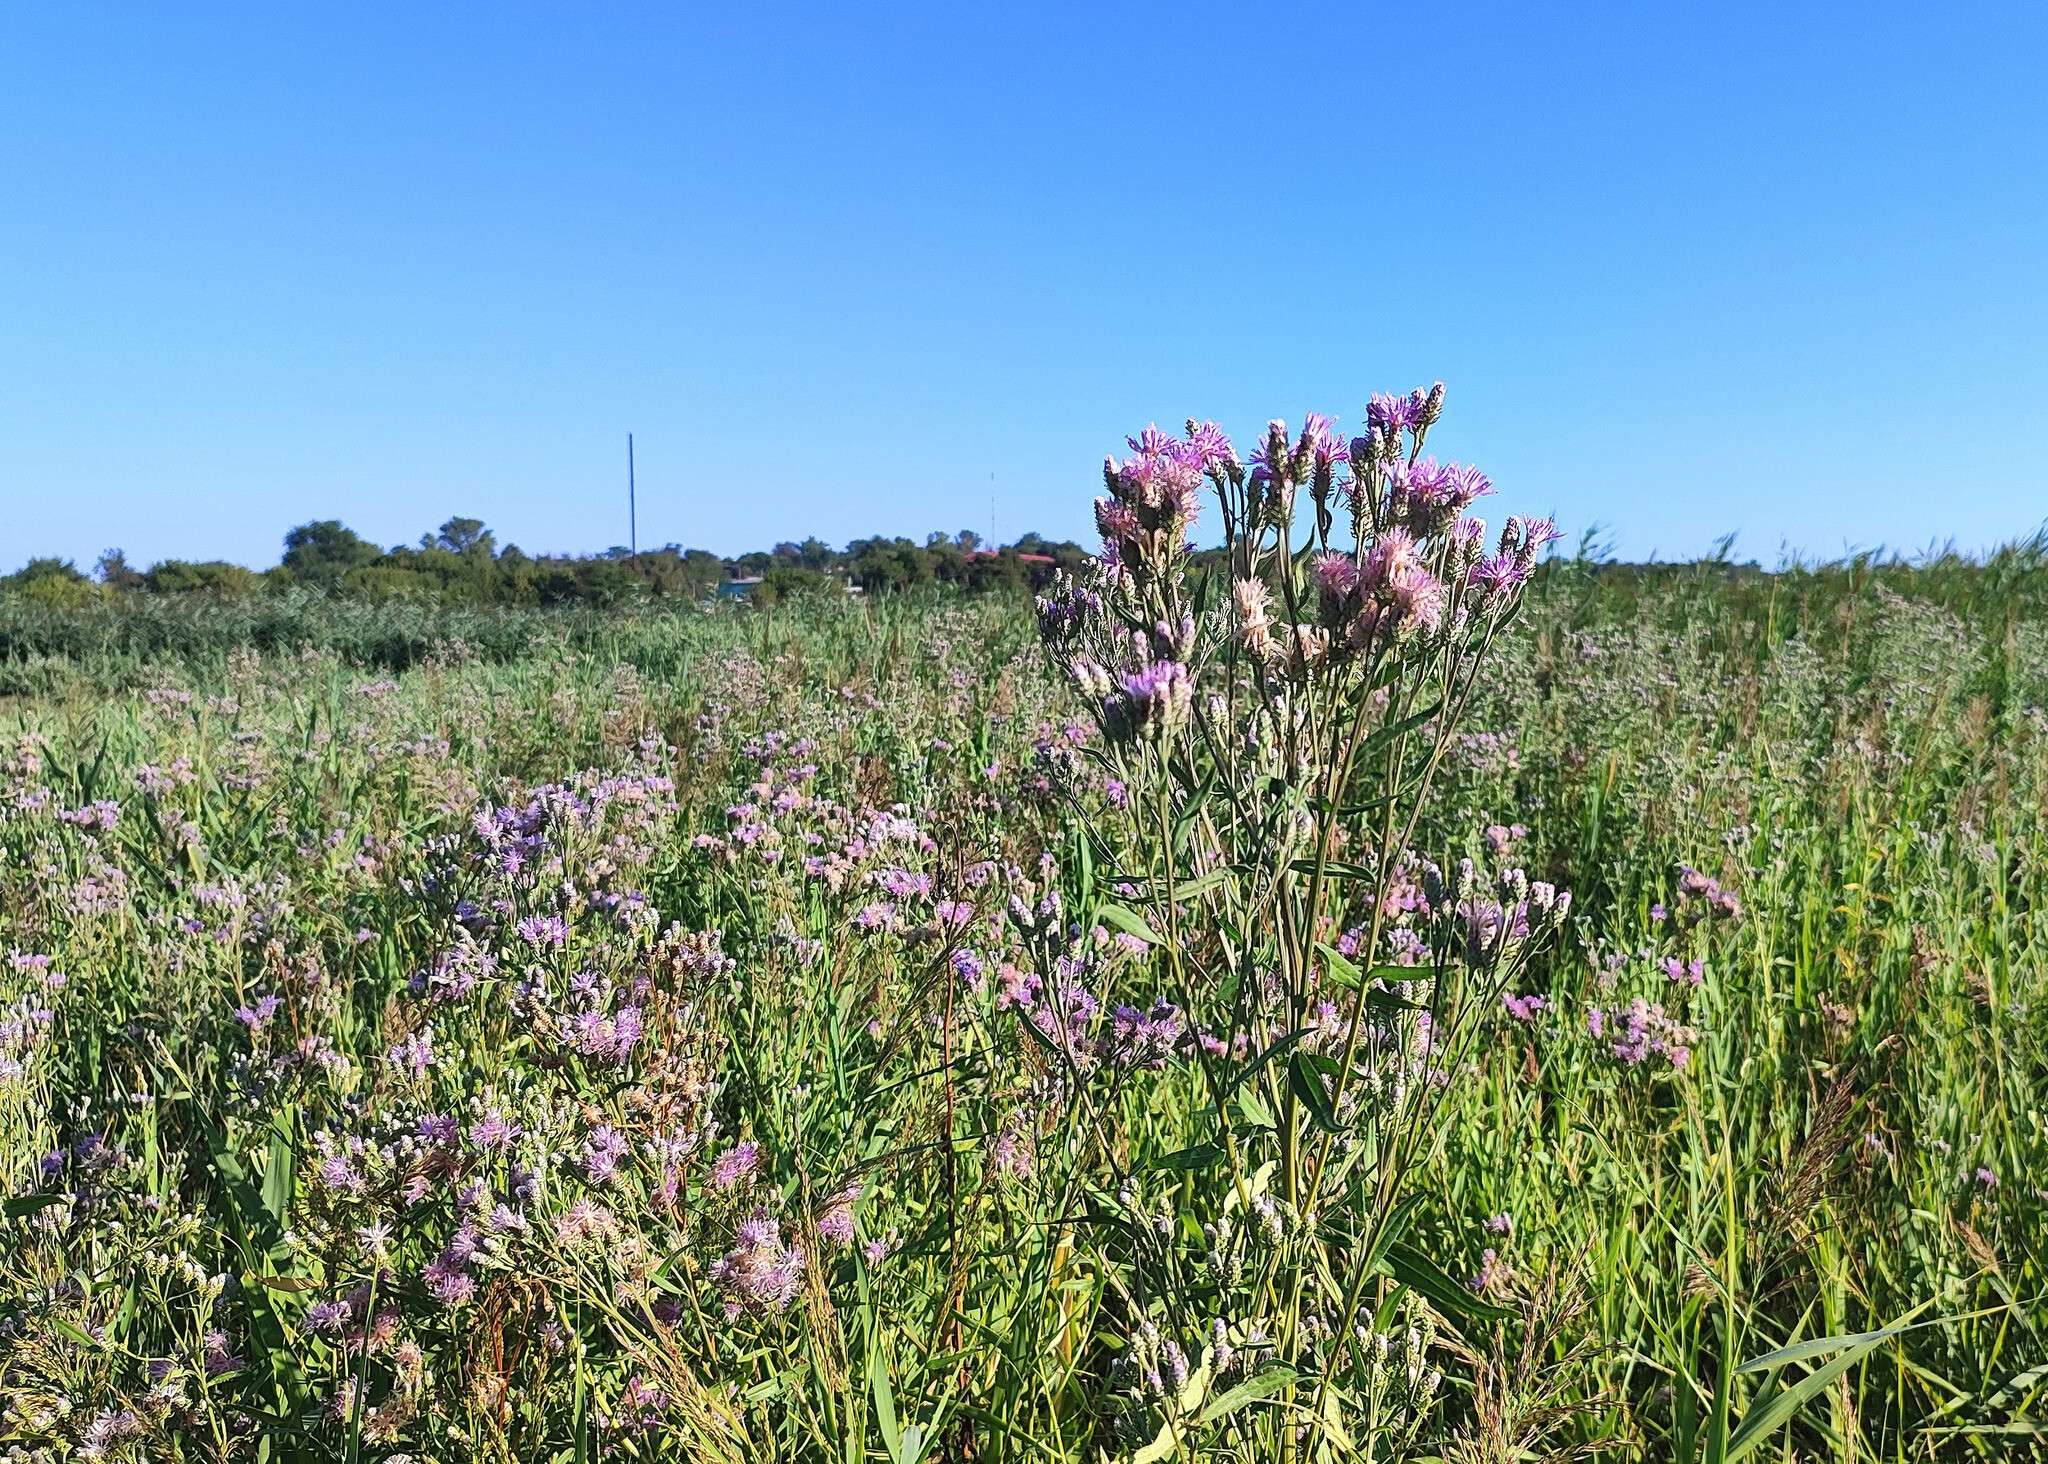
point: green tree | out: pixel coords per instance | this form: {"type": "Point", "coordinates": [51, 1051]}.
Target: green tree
{"type": "Point", "coordinates": [213, 576]}
{"type": "Point", "coordinates": [116, 573]}
{"type": "Point", "coordinates": [51, 581]}
{"type": "Point", "coordinates": [323, 551]}
{"type": "Point", "coordinates": [465, 536]}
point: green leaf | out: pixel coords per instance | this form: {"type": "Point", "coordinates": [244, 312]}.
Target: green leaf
{"type": "Point", "coordinates": [1194, 1156]}
{"type": "Point", "coordinates": [1815, 1347]}
{"type": "Point", "coordinates": [1278, 1050]}
{"type": "Point", "coordinates": [1333, 869]}
{"type": "Point", "coordinates": [1392, 1229]}
{"type": "Point", "coordinates": [82, 1338]}
{"type": "Point", "coordinates": [1761, 1422]}
{"type": "Point", "coordinates": [1201, 884]}
{"type": "Point", "coordinates": [1254, 1108]}
{"type": "Point", "coordinates": [1420, 1274]}
{"type": "Point", "coordinates": [1384, 735]}
{"type": "Point", "coordinates": [885, 1403]}
{"type": "Point", "coordinates": [1130, 923]}
{"type": "Point", "coordinates": [20, 1205]}
{"type": "Point", "coordinates": [1333, 1420]}
{"type": "Point", "coordinates": [1251, 1390]}
{"type": "Point", "coordinates": [1344, 971]}
{"type": "Point", "coordinates": [277, 1173]}
{"type": "Point", "coordinates": [1382, 1000]}
{"type": "Point", "coordinates": [1304, 1077]}
{"type": "Point", "coordinates": [1350, 810]}
{"type": "Point", "coordinates": [1163, 1444]}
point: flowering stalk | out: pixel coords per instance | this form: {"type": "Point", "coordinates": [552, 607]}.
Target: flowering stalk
{"type": "Point", "coordinates": [1277, 718]}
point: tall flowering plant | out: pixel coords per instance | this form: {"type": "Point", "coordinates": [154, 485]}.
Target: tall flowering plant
{"type": "Point", "coordinates": [1271, 724]}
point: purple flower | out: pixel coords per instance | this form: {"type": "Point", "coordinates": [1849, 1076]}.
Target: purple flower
{"type": "Point", "coordinates": [493, 1131]}
{"type": "Point", "coordinates": [216, 1354]}
{"type": "Point", "coordinates": [544, 930]}
{"type": "Point", "coordinates": [341, 1176]}
{"type": "Point", "coordinates": [1500, 836]}
{"type": "Point", "coordinates": [1150, 442]}
{"type": "Point", "coordinates": [1320, 442]}
{"type": "Point", "coordinates": [1143, 1039]}
{"type": "Point", "coordinates": [735, 1165]}
{"type": "Point", "coordinates": [835, 1222]}
{"type": "Point", "coordinates": [643, 1405]}
{"type": "Point", "coordinates": [1068, 608]}
{"type": "Point", "coordinates": [1493, 1273]}
{"type": "Point", "coordinates": [447, 1278]}
{"type": "Point", "coordinates": [327, 1316]}
{"type": "Point", "coordinates": [879, 1250]}
{"type": "Point", "coordinates": [1013, 1153]}
{"type": "Point", "coordinates": [1214, 449]}
{"type": "Point", "coordinates": [1701, 896]}
{"type": "Point", "coordinates": [413, 1053]}
{"type": "Point", "coordinates": [1336, 574]}
{"type": "Point", "coordinates": [761, 1272]}
{"type": "Point", "coordinates": [627, 1028]}
{"type": "Point", "coordinates": [602, 1150]}
{"type": "Point", "coordinates": [1685, 973]}
{"type": "Point", "coordinates": [903, 884]}
{"type": "Point", "coordinates": [1153, 701]}
{"type": "Point", "coordinates": [436, 1128]}
{"type": "Point", "coordinates": [1640, 1031]}
{"type": "Point", "coordinates": [257, 1017]}
{"type": "Point", "coordinates": [1387, 414]}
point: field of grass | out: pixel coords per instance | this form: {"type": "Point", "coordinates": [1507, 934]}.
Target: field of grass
{"type": "Point", "coordinates": [789, 1035]}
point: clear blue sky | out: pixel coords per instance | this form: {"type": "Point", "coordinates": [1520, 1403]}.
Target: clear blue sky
{"type": "Point", "coordinates": [1774, 269]}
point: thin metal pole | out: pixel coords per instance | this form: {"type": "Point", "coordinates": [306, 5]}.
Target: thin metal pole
{"type": "Point", "coordinates": [632, 503]}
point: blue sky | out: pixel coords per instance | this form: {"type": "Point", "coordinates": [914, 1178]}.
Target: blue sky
{"type": "Point", "coordinates": [1776, 270]}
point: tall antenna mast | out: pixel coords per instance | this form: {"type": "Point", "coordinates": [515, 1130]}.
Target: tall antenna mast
{"type": "Point", "coordinates": [632, 504]}
{"type": "Point", "coordinates": [991, 513]}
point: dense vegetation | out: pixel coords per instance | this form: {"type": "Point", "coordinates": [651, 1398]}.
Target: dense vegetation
{"type": "Point", "coordinates": [462, 564]}
{"type": "Point", "coordinates": [757, 1033]}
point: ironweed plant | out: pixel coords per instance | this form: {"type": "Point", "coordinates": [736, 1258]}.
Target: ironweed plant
{"type": "Point", "coordinates": [1270, 748]}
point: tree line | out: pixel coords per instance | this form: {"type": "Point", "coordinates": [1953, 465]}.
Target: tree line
{"type": "Point", "coordinates": [462, 563]}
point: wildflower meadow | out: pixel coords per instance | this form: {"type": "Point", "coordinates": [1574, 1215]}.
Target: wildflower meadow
{"type": "Point", "coordinates": [1387, 988]}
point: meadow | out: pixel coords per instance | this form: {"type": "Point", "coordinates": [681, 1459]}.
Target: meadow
{"type": "Point", "coordinates": [1564, 1011]}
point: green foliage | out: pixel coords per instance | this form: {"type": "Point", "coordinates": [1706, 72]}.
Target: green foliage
{"type": "Point", "coordinates": [461, 565]}
{"type": "Point", "coordinates": [213, 577]}
{"type": "Point", "coordinates": [1714, 1262]}
{"type": "Point", "coordinates": [49, 584]}
{"type": "Point", "coordinates": [325, 551]}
